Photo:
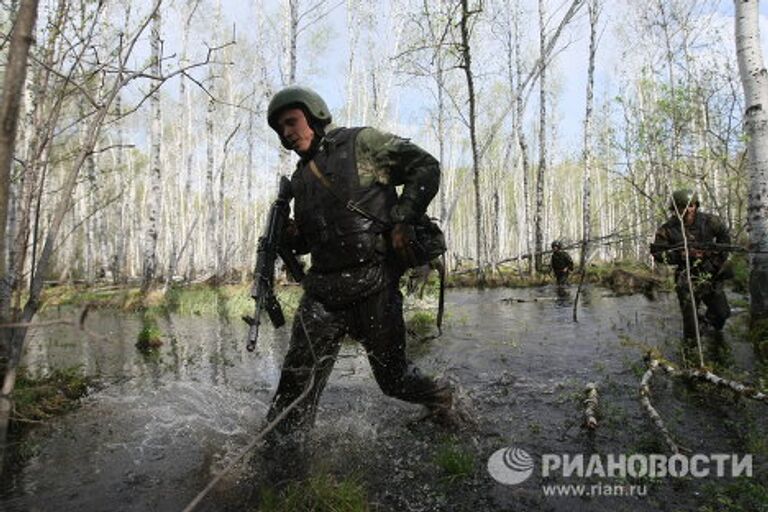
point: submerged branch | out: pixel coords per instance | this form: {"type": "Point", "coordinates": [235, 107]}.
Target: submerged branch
{"type": "Point", "coordinates": [738, 387]}
{"type": "Point", "coordinates": [645, 401]}
{"type": "Point", "coordinates": [590, 406]}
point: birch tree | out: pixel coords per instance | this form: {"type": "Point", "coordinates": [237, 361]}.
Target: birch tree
{"type": "Point", "coordinates": [113, 75]}
{"type": "Point", "coordinates": [154, 201]}
{"type": "Point", "coordinates": [754, 78]}
{"type": "Point", "coordinates": [466, 65]}
{"type": "Point", "coordinates": [13, 82]}
{"type": "Point", "coordinates": [593, 7]}
{"type": "Point", "coordinates": [541, 170]}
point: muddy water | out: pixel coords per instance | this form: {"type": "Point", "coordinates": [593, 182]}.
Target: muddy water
{"type": "Point", "coordinates": [158, 427]}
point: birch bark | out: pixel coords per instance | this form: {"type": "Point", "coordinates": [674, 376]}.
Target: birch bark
{"type": "Point", "coordinates": [754, 78]}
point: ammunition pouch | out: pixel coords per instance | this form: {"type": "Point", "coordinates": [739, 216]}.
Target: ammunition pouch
{"type": "Point", "coordinates": [428, 241]}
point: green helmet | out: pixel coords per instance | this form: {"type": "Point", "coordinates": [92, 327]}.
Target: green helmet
{"type": "Point", "coordinates": [302, 97]}
{"type": "Point", "coordinates": [682, 198]}
{"type": "Point", "coordinates": [557, 244]}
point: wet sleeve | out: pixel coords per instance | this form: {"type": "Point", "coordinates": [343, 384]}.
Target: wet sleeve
{"type": "Point", "coordinates": [397, 161]}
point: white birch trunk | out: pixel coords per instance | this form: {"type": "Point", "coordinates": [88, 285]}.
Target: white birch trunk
{"type": "Point", "coordinates": [541, 171]}
{"type": "Point", "coordinates": [466, 64]}
{"type": "Point", "coordinates": [754, 78]}
{"type": "Point", "coordinates": [586, 234]}
{"type": "Point", "coordinates": [154, 201]}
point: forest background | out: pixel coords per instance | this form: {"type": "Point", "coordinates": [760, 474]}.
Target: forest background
{"type": "Point", "coordinates": [136, 139]}
{"type": "Point", "coordinates": [184, 166]}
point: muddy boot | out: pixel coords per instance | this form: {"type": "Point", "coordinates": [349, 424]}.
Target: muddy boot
{"type": "Point", "coordinates": [450, 409]}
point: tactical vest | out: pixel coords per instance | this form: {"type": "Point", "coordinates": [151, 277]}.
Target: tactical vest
{"type": "Point", "coordinates": [701, 231]}
{"type": "Point", "coordinates": [560, 261]}
{"type": "Point", "coordinates": [339, 238]}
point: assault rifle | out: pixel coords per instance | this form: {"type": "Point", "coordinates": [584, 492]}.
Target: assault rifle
{"type": "Point", "coordinates": [698, 246]}
{"type": "Point", "coordinates": [264, 274]}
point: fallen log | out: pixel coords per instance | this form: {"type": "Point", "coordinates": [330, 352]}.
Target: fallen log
{"type": "Point", "coordinates": [645, 401]}
{"type": "Point", "coordinates": [741, 389]}
{"type": "Point", "coordinates": [590, 406]}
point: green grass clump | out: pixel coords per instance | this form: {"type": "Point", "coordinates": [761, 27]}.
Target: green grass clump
{"type": "Point", "coordinates": [421, 323]}
{"type": "Point", "coordinates": [454, 461]}
{"type": "Point", "coordinates": [37, 399]}
{"type": "Point", "coordinates": [193, 300]}
{"type": "Point", "coordinates": [231, 301]}
{"type": "Point", "coordinates": [743, 495]}
{"type": "Point", "coordinates": [150, 335]}
{"type": "Point", "coordinates": [96, 297]}
{"type": "Point", "coordinates": [318, 494]}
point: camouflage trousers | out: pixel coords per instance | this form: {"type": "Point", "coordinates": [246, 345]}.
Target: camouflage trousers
{"type": "Point", "coordinates": [377, 322]}
{"type": "Point", "coordinates": [708, 291]}
{"type": "Point", "coordinates": [562, 277]}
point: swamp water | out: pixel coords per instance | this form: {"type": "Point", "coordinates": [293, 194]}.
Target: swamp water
{"type": "Point", "coordinates": [157, 428]}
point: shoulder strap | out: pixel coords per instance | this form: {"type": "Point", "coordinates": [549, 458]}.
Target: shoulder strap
{"type": "Point", "coordinates": [348, 203]}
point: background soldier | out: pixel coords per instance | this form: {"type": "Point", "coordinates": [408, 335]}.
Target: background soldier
{"type": "Point", "coordinates": [352, 286]}
{"type": "Point", "coordinates": [707, 262]}
{"type": "Point", "coordinates": [562, 264]}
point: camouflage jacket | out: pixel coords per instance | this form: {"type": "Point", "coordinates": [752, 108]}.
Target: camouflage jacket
{"type": "Point", "coordinates": [706, 229]}
{"type": "Point", "coordinates": [561, 261]}
{"type": "Point", "coordinates": [390, 161]}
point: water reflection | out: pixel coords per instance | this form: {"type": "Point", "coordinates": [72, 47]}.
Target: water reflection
{"type": "Point", "coordinates": [192, 348]}
{"type": "Point", "coordinates": [151, 439]}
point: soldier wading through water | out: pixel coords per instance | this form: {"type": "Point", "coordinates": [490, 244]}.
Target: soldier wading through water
{"type": "Point", "coordinates": [352, 287]}
{"type": "Point", "coordinates": [562, 263]}
{"type": "Point", "coordinates": [704, 232]}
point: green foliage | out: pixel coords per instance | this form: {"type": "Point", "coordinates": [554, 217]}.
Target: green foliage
{"type": "Point", "coordinates": [755, 442]}
{"type": "Point", "coordinates": [648, 443]}
{"type": "Point", "coordinates": [199, 300]}
{"type": "Point", "coordinates": [740, 267]}
{"type": "Point", "coordinates": [758, 335]}
{"type": "Point", "coordinates": [421, 323]}
{"type": "Point", "coordinates": [743, 495]}
{"type": "Point", "coordinates": [231, 300]}
{"type": "Point", "coordinates": [455, 462]}
{"type": "Point", "coordinates": [150, 335]}
{"type": "Point", "coordinates": [37, 399]}
{"type": "Point", "coordinates": [318, 494]}
{"type": "Point", "coordinates": [506, 276]}
{"type": "Point", "coordinates": [97, 297]}
{"type": "Point", "coordinates": [193, 300]}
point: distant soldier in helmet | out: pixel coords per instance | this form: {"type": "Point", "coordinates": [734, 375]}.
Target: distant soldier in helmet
{"type": "Point", "coordinates": [703, 233]}
{"type": "Point", "coordinates": [352, 287]}
{"type": "Point", "coordinates": [562, 264]}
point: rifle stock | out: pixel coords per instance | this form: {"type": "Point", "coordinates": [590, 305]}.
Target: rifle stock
{"type": "Point", "coordinates": [262, 290]}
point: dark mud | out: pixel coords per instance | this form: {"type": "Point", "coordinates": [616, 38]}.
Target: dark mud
{"type": "Point", "coordinates": [161, 426]}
